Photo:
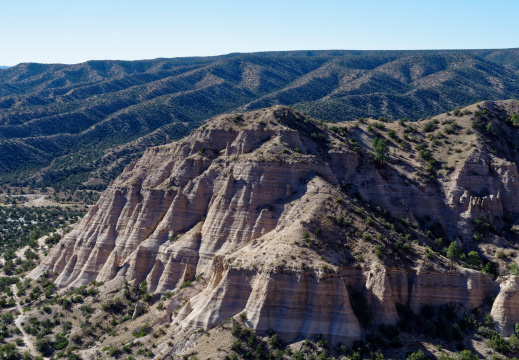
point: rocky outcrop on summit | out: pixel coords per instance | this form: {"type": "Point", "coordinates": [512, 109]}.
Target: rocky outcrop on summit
{"type": "Point", "coordinates": [255, 204]}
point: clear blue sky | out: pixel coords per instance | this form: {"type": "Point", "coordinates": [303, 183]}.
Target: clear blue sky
{"type": "Point", "coordinates": [72, 31]}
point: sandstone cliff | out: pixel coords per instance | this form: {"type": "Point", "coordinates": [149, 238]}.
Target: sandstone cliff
{"type": "Point", "coordinates": [285, 219]}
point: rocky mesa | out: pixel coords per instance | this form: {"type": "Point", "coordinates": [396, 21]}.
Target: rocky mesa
{"type": "Point", "coordinates": [288, 221]}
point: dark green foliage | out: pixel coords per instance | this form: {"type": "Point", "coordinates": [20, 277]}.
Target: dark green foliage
{"type": "Point", "coordinates": [274, 341]}
{"type": "Point", "coordinates": [496, 340]}
{"type": "Point", "coordinates": [381, 148]}
{"type": "Point", "coordinates": [142, 331]}
{"type": "Point", "coordinates": [60, 342]}
{"type": "Point", "coordinates": [442, 322]}
{"type": "Point", "coordinates": [9, 352]}
{"type": "Point", "coordinates": [490, 269]}
{"type": "Point", "coordinates": [513, 120]}
{"type": "Point", "coordinates": [115, 306]}
{"type": "Point", "coordinates": [454, 251]}
{"type": "Point", "coordinates": [419, 355]}
{"type": "Point", "coordinates": [53, 239]}
{"type": "Point", "coordinates": [462, 355]}
{"type": "Point", "coordinates": [75, 121]}
{"type": "Point", "coordinates": [236, 330]}
{"type": "Point", "coordinates": [473, 258]}
{"type": "Point", "coordinates": [20, 226]}
{"type": "Point", "coordinates": [45, 346]}
{"type": "Point", "coordinates": [429, 127]}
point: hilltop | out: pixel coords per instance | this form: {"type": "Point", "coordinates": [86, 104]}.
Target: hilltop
{"type": "Point", "coordinates": [271, 224]}
{"type": "Point", "coordinates": [77, 126]}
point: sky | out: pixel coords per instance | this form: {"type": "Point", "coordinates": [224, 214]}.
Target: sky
{"type": "Point", "coordinates": [73, 31]}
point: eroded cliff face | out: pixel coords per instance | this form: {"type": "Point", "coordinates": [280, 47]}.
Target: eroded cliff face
{"type": "Point", "coordinates": [234, 202]}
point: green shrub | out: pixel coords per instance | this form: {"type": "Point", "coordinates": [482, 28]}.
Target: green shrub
{"type": "Point", "coordinates": [514, 342]}
{"type": "Point", "coordinates": [236, 330]}
{"type": "Point", "coordinates": [355, 356]}
{"type": "Point", "coordinates": [381, 149]}
{"type": "Point", "coordinates": [417, 356]}
{"type": "Point", "coordinates": [142, 331]}
{"type": "Point", "coordinates": [473, 258]}
{"type": "Point", "coordinates": [454, 251]}
{"type": "Point", "coordinates": [60, 342]}
{"type": "Point", "coordinates": [490, 269]}
{"type": "Point", "coordinates": [378, 251]}
{"type": "Point", "coordinates": [274, 341]}
{"type": "Point", "coordinates": [429, 127]}
{"type": "Point", "coordinates": [498, 343]}
{"type": "Point", "coordinates": [236, 346]}
{"type": "Point", "coordinates": [45, 346]}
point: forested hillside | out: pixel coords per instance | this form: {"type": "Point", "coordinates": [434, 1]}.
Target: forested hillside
{"type": "Point", "coordinates": [77, 126]}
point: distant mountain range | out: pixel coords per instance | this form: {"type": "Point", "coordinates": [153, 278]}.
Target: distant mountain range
{"type": "Point", "coordinates": [77, 126]}
{"type": "Point", "coordinates": [4, 67]}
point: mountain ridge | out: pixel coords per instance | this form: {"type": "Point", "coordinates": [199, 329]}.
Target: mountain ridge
{"type": "Point", "coordinates": [60, 121]}
{"type": "Point", "coordinates": [276, 218]}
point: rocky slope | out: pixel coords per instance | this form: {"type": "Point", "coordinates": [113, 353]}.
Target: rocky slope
{"type": "Point", "coordinates": [288, 222]}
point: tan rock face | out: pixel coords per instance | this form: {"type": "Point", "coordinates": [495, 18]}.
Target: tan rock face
{"type": "Point", "coordinates": [239, 188]}
{"type": "Point", "coordinates": [505, 310]}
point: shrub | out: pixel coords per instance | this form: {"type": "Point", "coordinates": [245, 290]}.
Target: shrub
{"type": "Point", "coordinates": [454, 251]}
{"type": "Point", "coordinates": [429, 127]}
{"type": "Point", "coordinates": [462, 355]}
{"type": "Point", "coordinates": [498, 343]}
{"type": "Point", "coordinates": [45, 346]}
{"type": "Point", "coordinates": [115, 352]}
{"type": "Point", "coordinates": [236, 330]}
{"type": "Point", "coordinates": [473, 258]}
{"type": "Point", "coordinates": [417, 356]}
{"type": "Point", "coordinates": [60, 342]}
{"type": "Point", "coordinates": [186, 284]}
{"type": "Point", "coordinates": [381, 149]}
{"type": "Point", "coordinates": [355, 356]}
{"type": "Point", "coordinates": [236, 346]}
{"type": "Point", "coordinates": [490, 269]}
{"type": "Point", "coordinates": [142, 331]}
{"type": "Point", "coordinates": [489, 321]}
{"type": "Point", "coordinates": [252, 339]}
{"type": "Point", "coordinates": [274, 342]}
{"type": "Point", "coordinates": [76, 338]}
{"type": "Point", "coordinates": [115, 306]}
{"type": "Point", "coordinates": [514, 342]}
